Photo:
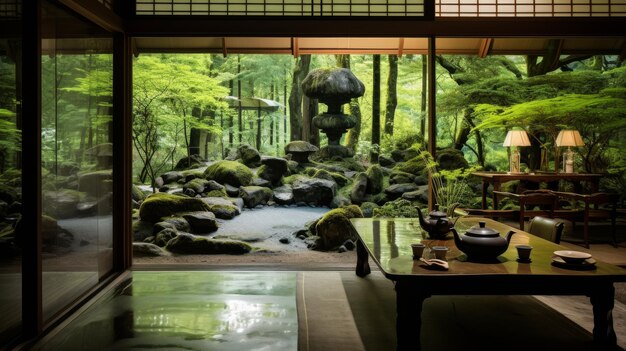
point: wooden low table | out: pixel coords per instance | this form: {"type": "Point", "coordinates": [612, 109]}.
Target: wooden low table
{"type": "Point", "coordinates": [388, 243]}
{"type": "Point", "coordinates": [497, 178]}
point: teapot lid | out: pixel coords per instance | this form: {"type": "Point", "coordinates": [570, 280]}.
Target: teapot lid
{"type": "Point", "coordinates": [436, 213]}
{"type": "Point", "coordinates": [481, 231]}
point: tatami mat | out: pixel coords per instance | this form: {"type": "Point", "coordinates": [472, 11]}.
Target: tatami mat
{"type": "Point", "coordinates": [325, 321]}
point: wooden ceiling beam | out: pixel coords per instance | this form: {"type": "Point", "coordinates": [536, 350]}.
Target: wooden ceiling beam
{"type": "Point", "coordinates": [485, 47]}
{"type": "Point", "coordinates": [97, 13]}
{"type": "Point", "coordinates": [238, 26]}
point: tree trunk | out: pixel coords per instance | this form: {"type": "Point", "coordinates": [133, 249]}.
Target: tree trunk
{"type": "Point", "coordinates": [285, 111]}
{"type": "Point", "coordinates": [239, 112]}
{"type": "Point", "coordinates": [392, 96]}
{"type": "Point", "coordinates": [272, 117]}
{"type": "Point", "coordinates": [309, 132]}
{"type": "Point", "coordinates": [300, 71]}
{"type": "Point", "coordinates": [230, 116]}
{"type": "Point", "coordinates": [424, 95]}
{"type": "Point", "coordinates": [352, 137]}
{"type": "Point", "coordinates": [551, 61]}
{"type": "Point", "coordinates": [375, 108]}
{"type": "Point", "coordinates": [258, 129]}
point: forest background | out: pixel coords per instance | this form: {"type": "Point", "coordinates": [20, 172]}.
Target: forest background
{"type": "Point", "coordinates": [178, 97]}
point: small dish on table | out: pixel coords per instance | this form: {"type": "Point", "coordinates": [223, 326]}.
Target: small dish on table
{"type": "Point", "coordinates": [572, 257]}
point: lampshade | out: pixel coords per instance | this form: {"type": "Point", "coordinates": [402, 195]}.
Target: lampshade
{"type": "Point", "coordinates": [516, 138]}
{"type": "Point", "coordinates": [569, 138]}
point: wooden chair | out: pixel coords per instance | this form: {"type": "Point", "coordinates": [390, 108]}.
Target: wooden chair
{"type": "Point", "coordinates": [528, 201]}
{"type": "Point", "coordinates": [592, 207]}
{"type": "Point", "coordinates": [547, 228]}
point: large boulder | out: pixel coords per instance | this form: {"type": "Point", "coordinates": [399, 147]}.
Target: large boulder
{"type": "Point", "coordinates": [273, 169]}
{"type": "Point", "coordinates": [396, 190]}
{"type": "Point", "coordinates": [193, 161]}
{"type": "Point", "coordinates": [171, 177]}
{"type": "Point", "coordinates": [197, 185]}
{"type": "Point", "coordinates": [415, 166]}
{"type": "Point", "coordinates": [283, 195]}
{"type": "Point", "coordinates": [367, 208]}
{"type": "Point", "coordinates": [137, 194]}
{"type": "Point", "coordinates": [358, 193]}
{"type": "Point", "coordinates": [249, 155]}
{"type": "Point", "coordinates": [164, 236]}
{"type": "Point", "coordinates": [300, 150]}
{"type": "Point", "coordinates": [141, 230]}
{"type": "Point", "coordinates": [222, 208]}
{"type": "Point", "coordinates": [375, 179]}
{"type": "Point", "coordinates": [340, 201]}
{"type": "Point", "coordinates": [404, 155]}
{"type": "Point", "coordinates": [313, 191]}
{"type": "Point", "coordinates": [62, 203]}
{"type": "Point", "coordinates": [197, 245]}
{"type": "Point", "coordinates": [147, 250]}
{"type": "Point", "coordinates": [451, 159]}
{"type": "Point", "coordinates": [201, 221]}
{"type": "Point", "coordinates": [229, 172]}
{"type": "Point", "coordinates": [399, 177]}
{"type": "Point", "coordinates": [421, 194]}
{"type": "Point", "coordinates": [96, 183]}
{"type": "Point", "coordinates": [255, 195]}
{"type": "Point", "coordinates": [334, 228]}
{"type": "Point", "coordinates": [159, 205]}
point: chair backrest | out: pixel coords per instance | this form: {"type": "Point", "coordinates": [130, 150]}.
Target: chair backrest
{"type": "Point", "coordinates": [602, 199]}
{"type": "Point", "coordinates": [538, 199]}
{"type": "Point", "coordinates": [547, 228]}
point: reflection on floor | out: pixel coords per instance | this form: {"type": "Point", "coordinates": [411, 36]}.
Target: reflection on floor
{"type": "Point", "coordinates": [188, 310]}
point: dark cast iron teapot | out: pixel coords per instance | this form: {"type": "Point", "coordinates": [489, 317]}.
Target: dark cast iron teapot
{"type": "Point", "coordinates": [481, 243]}
{"type": "Point", "coordinates": [437, 224]}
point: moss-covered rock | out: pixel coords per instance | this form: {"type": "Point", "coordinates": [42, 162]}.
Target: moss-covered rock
{"type": "Point", "coordinates": [193, 161]}
{"type": "Point", "coordinates": [197, 245]}
{"type": "Point", "coordinates": [396, 190]}
{"type": "Point", "coordinates": [229, 172]}
{"type": "Point", "coordinates": [334, 227]}
{"type": "Point", "coordinates": [171, 177]}
{"type": "Point", "coordinates": [375, 179]}
{"type": "Point", "coordinates": [197, 185]}
{"type": "Point", "coordinates": [217, 193]}
{"type": "Point", "coordinates": [62, 203]}
{"type": "Point", "coordinates": [249, 155]}
{"type": "Point", "coordinates": [273, 169]}
{"type": "Point", "coordinates": [192, 174]}
{"type": "Point", "coordinates": [159, 205]}
{"type": "Point", "coordinates": [358, 193]}
{"type": "Point", "coordinates": [96, 183]}
{"type": "Point", "coordinates": [313, 191]}
{"type": "Point", "coordinates": [147, 250]}
{"type": "Point", "coordinates": [283, 195]}
{"type": "Point", "coordinates": [415, 166]}
{"type": "Point", "coordinates": [404, 155]}
{"type": "Point", "coordinates": [141, 230]}
{"type": "Point", "coordinates": [224, 211]}
{"type": "Point", "coordinates": [367, 208]}
{"type": "Point", "coordinates": [255, 195]}
{"type": "Point", "coordinates": [399, 177]}
{"type": "Point", "coordinates": [137, 194]}
{"type": "Point", "coordinates": [340, 200]}
{"type": "Point", "coordinates": [450, 159]}
{"type": "Point", "coordinates": [164, 236]}
{"type": "Point", "coordinates": [201, 221]}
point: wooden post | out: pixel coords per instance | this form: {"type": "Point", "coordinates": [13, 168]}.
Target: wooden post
{"type": "Point", "coordinates": [432, 117]}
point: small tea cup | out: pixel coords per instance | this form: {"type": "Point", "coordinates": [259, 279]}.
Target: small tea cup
{"type": "Point", "coordinates": [523, 252]}
{"type": "Point", "coordinates": [418, 250]}
{"type": "Point", "coordinates": [440, 252]}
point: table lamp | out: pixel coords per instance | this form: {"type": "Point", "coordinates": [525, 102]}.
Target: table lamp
{"type": "Point", "coordinates": [569, 138]}
{"type": "Point", "coordinates": [515, 138]}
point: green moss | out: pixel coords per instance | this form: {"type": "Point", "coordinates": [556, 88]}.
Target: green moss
{"type": "Point", "coordinates": [367, 208]}
{"type": "Point", "coordinates": [229, 172]}
{"type": "Point", "coordinates": [191, 174]}
{"type": "Point", "coordinates": [198, 245]}
{"type": "Point", "coordinates": [293, 178]}
{"type": "Point", "coordinates": [334, 227]}
{"type": "Point", "coordinates": [11, 174]}
{"type": "Point", "coordinates": [310, 171]}
{"type": "Point", "coordinates": [375, 179]}
{"type": "Point", "coordinates": [217, 193]}
{"type": "Point", "coordinates": [398, 208]}
{"type": "Point", "coordinates": [415, 166]}
{"type": "Point", "coordinates": [161, 205]}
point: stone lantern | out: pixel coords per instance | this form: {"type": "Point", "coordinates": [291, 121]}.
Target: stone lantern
{"type": "Point", "coordinates": [333, 87]}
